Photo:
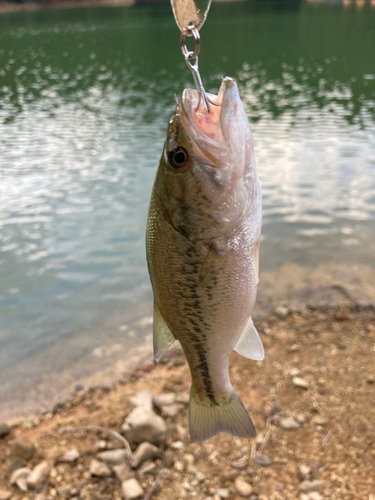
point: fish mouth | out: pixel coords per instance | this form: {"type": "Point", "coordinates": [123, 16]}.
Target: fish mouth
{"type": "Point", "coordinates": [211, 128]}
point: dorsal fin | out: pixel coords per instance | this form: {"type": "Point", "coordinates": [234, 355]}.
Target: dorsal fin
{"type": "Point", "coordinates": [163, 337]}
{"type": "Point", "coordinates": [249, 344]}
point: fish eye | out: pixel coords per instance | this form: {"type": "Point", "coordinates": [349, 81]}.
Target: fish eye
{"type": "Point", "coordinates": [177, 157]}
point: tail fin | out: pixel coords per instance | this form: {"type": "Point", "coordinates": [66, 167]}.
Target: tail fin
{"type": "Point", "coordinates": [228, 414]}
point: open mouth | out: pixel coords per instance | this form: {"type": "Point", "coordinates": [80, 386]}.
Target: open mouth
{"type": "Point", "coordinates": [211, 125]}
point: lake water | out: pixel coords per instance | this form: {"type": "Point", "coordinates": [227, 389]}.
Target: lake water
{"type": "Point", "coordinates": [85, 96]}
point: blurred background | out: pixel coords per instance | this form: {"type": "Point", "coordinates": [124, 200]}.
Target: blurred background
{"type": "Point", "coordinates": [85, 97]}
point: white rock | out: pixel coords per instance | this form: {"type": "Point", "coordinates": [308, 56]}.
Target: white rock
{"type": "Point", "coordinates": [19, 477]}
{"type": "Point", "coordinates": [39, 474]}
{"type": "Point", "coordinates": [142, 400]}
{"type": "Point", "coordinates": [259, 438]}
{"type": "Point", "coordinates": [294, 372]}
{"type": "Point", "coordinates": [70, 456]}
{"type": "Point", "coordinates": [304, 470]}
{"type": "Point", "coordinates": [282, 312]}
{"type": "Point", "coordinates": [142, 425]}
{"type": "Point", "coordinates": [309, 486]}
{"type": "Point", "coordinates": [179, 466]}
{"type": "Point", "coordinates": [99, 469]}
{"type": "Point", "coordinates": [319, 420]}
{"type": "Point", "coordinates": [177, 445]}
{"type": "Point", "coordinates": [200, 476]}
{"type": "Point", "coordinates": [289, 424]}
{"type": "Point", "coordinates": [300, 418]}
{"type": "Point", "coordinates": [243, 488]}
{"type": "Point", "coordinates": [131, 489]}
{"type": "Point", "coordinates": [314, 495]}
{"type": "Point", "coordinates": [145, 451]}
{"type": "Point", "coordinates": [300, 382]}
{"type": "Point", "coordinates": [223, 493]}
{"type": "Point", "coordinates": [164, 399]}
{"type": "Point", "coordinates": [114, 456]}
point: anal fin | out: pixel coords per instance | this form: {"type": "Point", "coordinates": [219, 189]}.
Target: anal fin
{"type": "Point", "coordinates": [163, 337]}
{"type": "Point", "coordinates": [249, 344]}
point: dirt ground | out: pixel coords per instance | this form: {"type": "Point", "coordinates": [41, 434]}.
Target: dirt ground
{"type": "Point", "coordinates": [331, 350]}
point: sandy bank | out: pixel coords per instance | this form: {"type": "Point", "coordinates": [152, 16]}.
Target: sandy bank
{"type": "Point", "coordinates": [321, 429]}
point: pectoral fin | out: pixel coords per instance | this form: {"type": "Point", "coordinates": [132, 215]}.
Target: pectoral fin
{"type": "Point", "coordinates": [163, 337]}
{"type": "Point", "coordinates": [249, 344]}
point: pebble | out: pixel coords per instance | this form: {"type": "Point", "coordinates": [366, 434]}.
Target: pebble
{"type": "Point", "coordinates": [70, 456]}
{"type": "Point", "coordinates": [223, 493]}
{"type": "Point", "coordinates": [179, 466]}
{"type": "Point", "coordinates": [114, 457]}
{"type": "Point", "coordinates": [66, 491]}
{"type": "Point", "coordinates": [177, 445]}
{"type": "Point", "coordinates": [300, 418]}
{"type": "Point", "coordinates": [309, 486]}
{"type": "Point", "coordinates": [228, 475]}
{"type": "Point", "coordinates": [147, 467]}
{"type": "Point", "coordinates": [200, 476]}
{"type": "Point", "coordinates": [145, 451]}
{"type": "Point", "coordinates": [19, 477]}
{"type": "Point", "coordinates": [131, 489]}
{"type": "Point", "coordinates": [24, 450]}
{"type": "Point", "coordinates": [289, 424]}
{"type": "Point", "coordinates": [5, 495]}
{"type": "Point", "coordinates": [39, 474]}
{"type": "Point", "coordinates": [294, 372]}
{"type": "Point", "coordinates": [304, 471]}
{"type": "Point", "coordinates": [319, 420]}
{"type": "Point", "coordinates": [262, 460]}
{"type": "Point", "coordinates": [170, 410]}
{"type": "Point", "coordinates": [16, 464]}
{"type": "Point", "coordinates": [99, 469]}
{"type": "Point", "coordinates": [243, 488]}
{"type": "Point", "coordinates": [282, 312]}
{"type": "Point", "coordinates": [189, 458]}
{"type": "Point", "coordinates": [311, 496]}
{"type": "Point", "coordinates": [122, 471]}
{"type": "Point", "coordinates": [191, 469]}
{"type": "Point", "coordinates": [166, 399]}
{"type": "Point", "coordinates": [169, 459]}
{"type": "Point", "coordinates": [143, 424]}
{"type": "Point", "coordinates": [142, 400]}
{"type": "Point", "coordinates": [300, 382]}
{"type": "Point", "coordinates": [314, 495]}
{"type": "Point", "coordinates": [5, 429]}
{"type": "Point", "coordinates": [183, 398]}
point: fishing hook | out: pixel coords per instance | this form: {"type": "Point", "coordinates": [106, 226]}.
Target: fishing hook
{"type": "Point", "coordinates": [193, 55]}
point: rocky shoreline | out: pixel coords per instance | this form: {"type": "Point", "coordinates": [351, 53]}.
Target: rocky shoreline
{"type": "Point", "coordinates": [311, 399]}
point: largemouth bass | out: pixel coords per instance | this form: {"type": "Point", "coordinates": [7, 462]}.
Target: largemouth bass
{"type": "Point", "coordinates": [203, 235]}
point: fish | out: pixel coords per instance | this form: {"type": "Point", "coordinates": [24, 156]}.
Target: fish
{"type": "Point", "coordinates": [203, 239]}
